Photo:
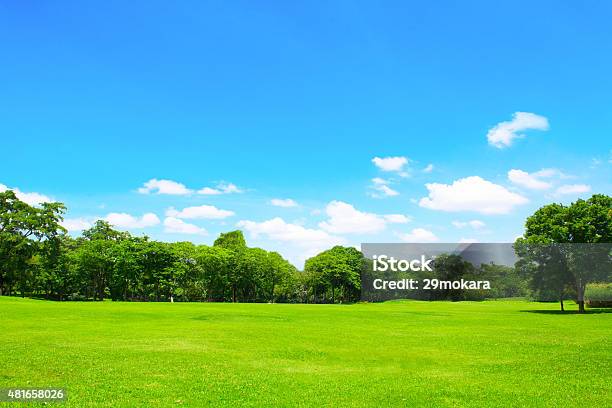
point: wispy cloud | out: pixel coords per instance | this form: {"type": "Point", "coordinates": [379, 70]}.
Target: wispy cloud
{"type": "Point", "coordinates": [418, 235]}
{"type": "Point", "coordinates": [170, 187]}
{"type": "Point", "coordinates": [173, 225]}
{"type": "Point", "coordinates": [568, 189]}
{"type": "Point", "coordinates": [128, 221]}
{"type": "Point", "coordinates": [380, 188]}
{"type": "Point", "coordinates": [209, 212]}
{"type": "Point", "coordinates": [504, 133]}
{"type": "Point", "coordinates": [283, 202]}
{"type": "Point", "coordinates": [221, 188]}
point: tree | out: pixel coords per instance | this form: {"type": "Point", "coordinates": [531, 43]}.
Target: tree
{"type": "Point", "coordinates": [157, 260]}
{"type": "Point", "coordinates": [278, 273]}
{"type": "Point", "coordinates": [233, 240]}
{"type": "Point", "coordinates": [97, 257]}
{"type": "Point", "coordinates": [554, 230]}
{"type": "Point", "coordinates": [544, 265]}
{"type": "Point", "coordinates": [102, 230]}
{"type": "Point", "coordinates": [58, 275]}
{"type": "Point", "coordinates": [22, 230]}
{"type": "Point", "coordinates": [450, 267]}
{"type": "Point", "coordinates": [127, 271]}
{"type": "Point", "coordinates": [184, 268]}
{"type": "Point", "coordinates": [337, 268]}
{"type": "Point", "coordinates": [216, 268]}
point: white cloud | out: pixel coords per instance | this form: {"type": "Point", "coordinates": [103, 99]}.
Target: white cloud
{"type": "Point", "coordinates": [471, 194]}
{"type": "Point", "coordinates": [530, 181]}
{"type": "Point", "coordinates": [476, 224]}
{"type": "Point", "coordinates": [346, 219]}
{"type": "Point", "coordinates": [418, 235]}
{"type": "Point", "coordinates": [387, 191]}
{"type": "Point", "coordinates": [285, 203]}
{"type": "Point", "coordinates": [548, 173]}
{"type": "Point", "coordinates": [396, 218]}
{"type": "Point", "coordinates": [222, 188]}
{"type": "Point", "coordinates": [208, 212]}
{"type": "Point", "coordinates": [174, 225]}
{"type": "Point", "coordinates": [76, 224]}
{"type": "Point", "coordinates": [209, 191]}
{"type": "Point", "coordinates": [343, 218]}
{"type": "Point", "coordinates": [124, 220]}
{"type": "Point", "coordinates": [164, 187]}
{"type": "Point", "coordinates": [28, 198]}
{"type": "Point", "coordinates": [279, 230]}
{"type": "Point", "coordinates": [297, 242]}
{"type": "Point", "coordinates": [395, 164]}
{"type": "Point", "coordinates": [503, 134]}
{"type": "Point", "coordinates": [382, 189]}
{"type": "Point", "coordinates": [572, 189]}
{"type": "Point", "coordinates": [429, 168]}
{"type": "Point", "coordinates": [171, 187]}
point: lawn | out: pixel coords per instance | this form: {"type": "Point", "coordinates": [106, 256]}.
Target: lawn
{"type": "Point", "coordinates": [494, 353]}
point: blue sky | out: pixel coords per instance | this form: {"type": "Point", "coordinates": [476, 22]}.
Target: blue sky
{"type": "Point", "coordinates": [294, 101]}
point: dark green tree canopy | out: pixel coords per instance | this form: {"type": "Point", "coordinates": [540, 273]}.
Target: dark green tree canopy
{"type": "Point", "coordinates": [567, 246]}
{"type": "Point", "coordinates": [584, 221]}
{"type": "Point", "coordinates": [233, 240]}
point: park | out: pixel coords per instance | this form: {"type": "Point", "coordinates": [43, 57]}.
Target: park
{"type": "Point", "coordinates": [475, 354]}
{"type": "Point", "coordinates": [121, 321]}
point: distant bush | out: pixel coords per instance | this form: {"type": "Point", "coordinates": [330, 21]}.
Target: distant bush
{"type": "Point", "coordinates": [599, 294]}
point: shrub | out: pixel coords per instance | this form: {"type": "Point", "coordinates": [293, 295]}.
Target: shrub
{"type": "Point", "coordinates": [598, 294]}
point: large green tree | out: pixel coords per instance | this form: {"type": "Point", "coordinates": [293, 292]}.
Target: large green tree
{"type": "Point", "coordinates": [554, 251]}
{"type": "Point", "coordinates": [336, 271]}
{"type": "Point", "coordinates": [23, 229]}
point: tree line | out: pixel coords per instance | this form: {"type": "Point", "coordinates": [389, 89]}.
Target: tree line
{"type": "Point", "coordinates": [39, 259]}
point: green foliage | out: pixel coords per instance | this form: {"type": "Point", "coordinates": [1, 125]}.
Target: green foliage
{"type": "Point", "coordinates": [599, 294]}
{"type": "Point", "coordinates": [507, 281]}
{"type": "Point", "coordinates": [38, 259]}
{"type": "Point", "coordinates": [335, 274]}
{"type": "Point", "coordinates": [23, 232]}
{"type": "Point", "coordinates": [233, 240]}
{"type": "Point", "coordinates": [553, 266]}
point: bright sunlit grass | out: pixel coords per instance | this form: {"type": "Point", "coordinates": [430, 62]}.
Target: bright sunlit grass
{"type": "Point", "coordinates": [496, 353]}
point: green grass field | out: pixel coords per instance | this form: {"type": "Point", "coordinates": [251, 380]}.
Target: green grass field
{"type": "Point", "coordinates": [495, 353]}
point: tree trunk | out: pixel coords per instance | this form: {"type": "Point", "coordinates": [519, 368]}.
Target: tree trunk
{"type": "Point", "coordinates": [562, 308]}
{"type": "Point", "coordinates": [580, 296]}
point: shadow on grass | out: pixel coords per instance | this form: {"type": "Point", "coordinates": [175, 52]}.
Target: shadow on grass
{"type": "Point", "coordinates": [568, 312]}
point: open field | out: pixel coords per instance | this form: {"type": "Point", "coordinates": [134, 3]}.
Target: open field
{"type": "Point", "coordinates": [494, 353]}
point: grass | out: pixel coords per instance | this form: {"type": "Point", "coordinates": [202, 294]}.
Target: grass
{"type": "Point", "coordinates": [475, 354]}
